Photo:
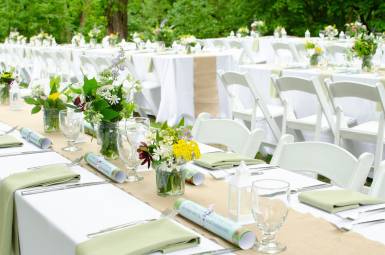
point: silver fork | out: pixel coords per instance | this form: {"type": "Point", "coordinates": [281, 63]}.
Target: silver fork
{"type": "Point", "coordinates": [9, 131]}
{"type": "Point", "coordinates": [349, 226]}
{"type": "Point", "coordinates": [73, 163]}
{"type": "Point", "coordinates": [364, 212]}
{"type": "Point", "coordinates": [168, 213]}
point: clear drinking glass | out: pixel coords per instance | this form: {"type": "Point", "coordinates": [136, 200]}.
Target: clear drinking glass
{"type": "Point", "coordinates": [321, 34]}
{"type": "Point", "coordinates": [131, 134]}
{"type": "Point", "coordinates": [70, 123]}
{"type": "Point", "coordinates": [270, 203]}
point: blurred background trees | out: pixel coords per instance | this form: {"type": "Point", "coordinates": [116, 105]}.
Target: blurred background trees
{"type": "Point", "coordinates": [202, 18]}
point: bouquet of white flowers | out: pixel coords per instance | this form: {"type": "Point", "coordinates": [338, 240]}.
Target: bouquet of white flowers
{"type": "Point", "coordinates": [331, 31]}
{"type": "Point", "coordinates": [258, 26]}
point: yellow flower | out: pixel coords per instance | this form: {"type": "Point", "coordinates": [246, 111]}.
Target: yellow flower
{"type": "Point", "coordinates": [318, 50]}
{"type": "Point", "coordinates": [186, 150]}
{"type": "Point", "coordinates": [54, 96]}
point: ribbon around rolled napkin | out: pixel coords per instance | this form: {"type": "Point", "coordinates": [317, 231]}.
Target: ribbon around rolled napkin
{"type": "Point", "coordinates": [7, 141]}
{"type": "Point", "coordinates": [221, 160]}
{"type": "Point", "coordinates": [44, 176]}
{"type": "Point", "coordinates": [334, 201]}
{"type": "Point", "coordinates": [161, 235]}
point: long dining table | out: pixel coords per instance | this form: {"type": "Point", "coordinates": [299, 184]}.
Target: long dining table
{"type": "Point", "coordinates": [55, 222]}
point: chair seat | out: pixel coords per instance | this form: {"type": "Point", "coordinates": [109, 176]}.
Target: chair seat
{"type": "Point", "coordinates": [245, 114]}
{"type": "Point", "coordinates": [309, 122]}
{"type": "Point", "coordinates": [364, 131]}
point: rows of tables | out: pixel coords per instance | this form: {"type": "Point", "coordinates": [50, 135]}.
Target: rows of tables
{"type": "Point", "coordinates": [55, 222]}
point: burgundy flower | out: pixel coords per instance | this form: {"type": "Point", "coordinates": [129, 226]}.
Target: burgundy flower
{"type": "Point", "coordinates": [78, 102]}
{"type": "Point", "coordinates": [144, 154]}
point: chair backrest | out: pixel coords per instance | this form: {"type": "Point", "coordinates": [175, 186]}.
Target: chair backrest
{"type": "Point", "coordinates": [301, 50]}
{"type": "Point", "coordinates": [377, 188]}
{"type": "Point", "coordinates": [230, 79]}
{"type": "Point", "coordinates": [235, 44]}
{"type": "Point", "coordinates": [336, 53]}
{"type": "Point", "coordinates": [326, 159]}
{"type": "Point", "coordinates": [230, 133]}
{"type": "Point", "coordinates": [309, 86]}
{"type": "Point", "coordinates": [280, 47]}
{"type": "Point", "coordinates": [219, 44]}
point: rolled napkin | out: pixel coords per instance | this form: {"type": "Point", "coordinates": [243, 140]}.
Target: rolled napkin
{"type": "Point", "coordinates": [193, 176]}
{"type": "Point", "coordinates": [44, 176]}
{"type": "Point", "coordinates": [35, 138]}
{"type": "Point", "coordinates": [334, 201]}
{"type": "Point", "coordinates": [219, 225]}
{"type": "Point", "coordinates": [162, 236]}
{"type": "Point", "coordinates": [105, 167]}
{"type": "Point", "coordinates": [221, 160]}
{"type": "Point", "coordinates": [7, 141]}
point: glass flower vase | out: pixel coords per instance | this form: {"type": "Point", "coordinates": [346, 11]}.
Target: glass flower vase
{"type": "Point", "coordinates": [51, 120]}
{"type": "Point", "coordinates": [367, 63]}
{"type": "Point", "coordinates": [107, 134]}
{"type": "Point", "coordinates": [169, 181]}
{"type": "Point", "coordinates": [4, 93]}
{"type": "Point", "coordinates": [314, 60]}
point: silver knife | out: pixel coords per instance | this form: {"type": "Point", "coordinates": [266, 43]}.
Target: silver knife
{"type": "Point", "coordinates": [217, 252]}
{"type": "Point", "coordinates": [61, 187]}
{"type": "Point", "coordinates": [24, 153]}
{"type": "Point", "coordinates": [295, 191]}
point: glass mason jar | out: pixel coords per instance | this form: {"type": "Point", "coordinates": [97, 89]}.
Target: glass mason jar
{"type": "Point", "coordinates": [367, 63]}
{"type": "Point", "coordinates": [107, 134]}
{"type": "Point", "coordinates": [51, 120]}
{"type": "Point", "coordinates": [93, 42]}
{"type": "Point", "coordinates": [169, 181]}
{"type": "Point", "coordinates": [314, 60]}
{"type": "Point", "coordinates": [4, 93]}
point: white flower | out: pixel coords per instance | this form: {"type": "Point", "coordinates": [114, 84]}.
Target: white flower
{"type": "Point", "coordinates": [37, 91]}
{"type": "Point", "coordinates": [63, 98]}
{"type": "Point", "coordinates": [163, 152]}
{"type": "Point", "coordinates": [114, 99]}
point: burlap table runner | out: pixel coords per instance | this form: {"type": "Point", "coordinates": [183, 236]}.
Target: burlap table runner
{"type": "Point", "coordinates": [206, 97]}
{"type": "Point", "coordinates": [302, 233]}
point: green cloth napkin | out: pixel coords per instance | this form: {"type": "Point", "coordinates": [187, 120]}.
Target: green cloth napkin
{"type": "Point", "coordinates": [157, 236]}
{"type": "Point", "coordinates": [7, 141]}
{"type": "Point", "coordinates": [44, 176]}
{"type": "Point", "coordinates": [221, 160]}
{"type": "Point", "coordinates": [334, 201]}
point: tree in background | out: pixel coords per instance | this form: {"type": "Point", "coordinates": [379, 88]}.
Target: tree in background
{"type": "Point", "coordinates": [116, 14]}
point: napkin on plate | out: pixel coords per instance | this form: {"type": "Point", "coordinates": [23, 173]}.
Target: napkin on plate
{"type": "Point", "coordinates": [7, 141]}
{"type": "Point", "coordinates": [44, 176]}
{"type": "Point", "coordinates": [162, 235]}
{"type": "Point", "coordinates": [221, 160]}
{"type": "Point", "coordinates": [334, 201]}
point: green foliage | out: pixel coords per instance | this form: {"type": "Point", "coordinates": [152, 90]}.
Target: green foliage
{"type": "Point", "coordinates": [365, 46]}
{"type": "Point", "coordinates": [202, 18]}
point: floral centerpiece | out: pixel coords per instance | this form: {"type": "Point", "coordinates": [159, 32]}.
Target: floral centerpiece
{"type": "Point", "coordinates": [6, 79]}
{"type": "Point", "coordinates": [280, 32]}
{"type": "Point", "coordinates": [13, 35]}
{"type": "Point", "coordinates": [258, 27]}
{"type": "Point", "coordinates": [137, 38]}
{"type": "Point", "coordinates": [355, 29]}
{"type": "Point", "coordinates": [51, 102]}
{"type": "Point", "coordinates": [94, 34]}
{"type": "Point", "coordinates": [78, 40]}
{"type": "Point", "coordinates": [314, 51]}
{"type": "Point", "coordinates": [21, 39]}
{"type": "Point", "coordinates": [105, 102]}
{"type": "Point", "coordinates": [188, 41]}
{"type": "Point", "coordinates": [166, 149]}
{"type": "Point", "coordinates": [365, 47]}
{"type": "Point", "coordinates": [243, 31]}
{"type": "Point", "coordinates": [164, 34]}
{"type": "Point", "coordinates": [331, 31]}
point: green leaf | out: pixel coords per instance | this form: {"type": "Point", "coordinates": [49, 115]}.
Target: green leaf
{"type": "Point", "coordinates": [30, 100]}
{"type": "Point", "coordinates": [181, 123]}
{"type": "Point", "coordinates": [109, 114]}
{"type": "Point", "coordinates": [90, 86]}
{"type": "Point", "coordinates": [36, 109]}
{"type": "Point", "coordinates": [100, 104]}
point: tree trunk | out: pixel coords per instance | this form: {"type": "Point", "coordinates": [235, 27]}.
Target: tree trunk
{"type": "Point", "coordinates": [116, 13]}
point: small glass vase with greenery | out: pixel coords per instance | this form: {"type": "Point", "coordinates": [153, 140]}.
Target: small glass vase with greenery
{"type": "Point", "coordinates": [243, 32]}
{"type": "Point", "coordinates": [52, 103]}
{"type": "Point", "coordinates": [164, 34]}
{"type": "Point", "coordinates": [314, 52]}
{"type": "Point", "coordinates": [188, 41]}
{"type": "Point", "coordinates": [105, 102]}
{"type": "Point", "coordinates": [6, 79]}
{"type": "Point", "coordinates": [258, 27]}
{"type": "Point", "coordinates": [166, 149]}
{"type": "Point", "coordinates": [365, 47]}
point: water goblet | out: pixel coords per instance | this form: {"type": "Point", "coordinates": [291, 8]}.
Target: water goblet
{"type": "Point", "coordinates": [70, 123]}
{"type": "Point", "coordinates": [270, 202]}
{"type": "Point", "coordinates": [131, 134]}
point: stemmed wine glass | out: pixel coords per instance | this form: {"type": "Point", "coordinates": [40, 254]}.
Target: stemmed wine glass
{"type": "Point", "coordinates": [270, 202]}
{"type": "Point", "coordinates": [71, 123]}
{"type": "Point", "coordinates": [131, 134]}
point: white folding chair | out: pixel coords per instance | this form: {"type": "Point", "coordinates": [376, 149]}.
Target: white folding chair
{"type": "Point", "coordinates": [321, 121]}
{"type": "Point", "coordinates": [377, 189]}
{"type": "Point", "coordinates": [88, 67]}
{"type": "Point", "coordinates": [325, 159]}
{"type": "Point", "coordinates": [336, 54]}
{"type": "Point", "coordinates": [286, 52]}
{"type": "Point", "coordinates": [370, 131]}
{"type": "Point", "coordinates": [259, 111]}
{"type": "Point", "coordinates": [230, 133]}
